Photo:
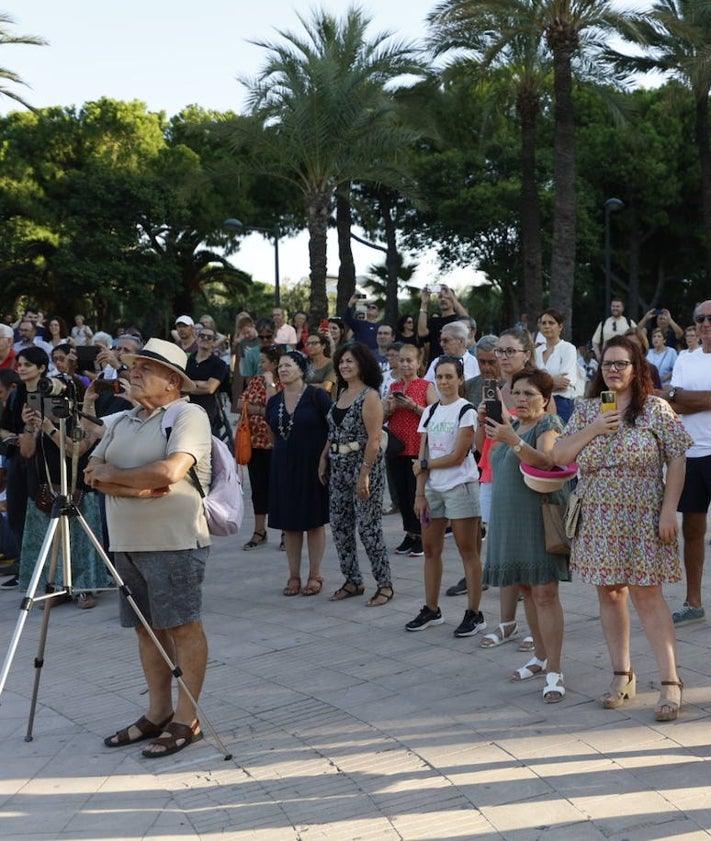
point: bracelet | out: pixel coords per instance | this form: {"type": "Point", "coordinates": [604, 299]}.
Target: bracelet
{"type": "Point", "coordinates": [368, 463]}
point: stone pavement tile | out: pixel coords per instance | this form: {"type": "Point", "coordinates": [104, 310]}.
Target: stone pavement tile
{"type": "Point", "coordinates": [515, 819]}
{"type": "Point", "coordinates": [620, 810]}
{"type": "Point", "coordinates": [445, 824]}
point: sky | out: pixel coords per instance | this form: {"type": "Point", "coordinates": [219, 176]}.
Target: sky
{"type": "Point", "coordinates": [170, 55]}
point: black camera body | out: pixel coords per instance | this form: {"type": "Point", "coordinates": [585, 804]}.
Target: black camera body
{"type": "Point", "coordinates": [55, 397]}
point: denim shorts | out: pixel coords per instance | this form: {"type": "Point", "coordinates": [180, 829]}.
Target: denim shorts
{"type": "Point", "coordinates": [458, 503]}
{"type": "Point", "coordinates": [166, 586]}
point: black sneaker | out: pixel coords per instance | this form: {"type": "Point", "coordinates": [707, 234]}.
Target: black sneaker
{"type": "Point", "coordinates": [10, 584]}
{"type": "Point", "coordinates": [458, 589]}
{"type": "Point", "coordinates": [416, 550]}
{"type": "Point", "coordinates": [424, 619]}
{"type": "Point", "coordinates": [472, 623]}
{"type": "Point", "coordinates": [405, 546]}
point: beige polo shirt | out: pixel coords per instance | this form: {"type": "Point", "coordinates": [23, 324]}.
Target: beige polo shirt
{"type": "Point", "coordinates": [175, 521]}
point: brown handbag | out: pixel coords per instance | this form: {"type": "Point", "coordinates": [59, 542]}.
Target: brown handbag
{"type": "Point", "coordinates": [557, 542]}
{"type": "Point", "coordinates": [243, 438]}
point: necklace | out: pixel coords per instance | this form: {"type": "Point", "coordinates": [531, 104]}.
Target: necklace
{"type": "Point", "coordinates": [285, 432]}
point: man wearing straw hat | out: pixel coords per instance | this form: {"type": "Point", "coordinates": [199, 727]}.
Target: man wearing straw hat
{"type": "Point", "coordinates": [158, 531]}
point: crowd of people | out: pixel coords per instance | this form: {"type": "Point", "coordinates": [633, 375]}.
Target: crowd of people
{"type": "Point", "coordinates": [450, 426]}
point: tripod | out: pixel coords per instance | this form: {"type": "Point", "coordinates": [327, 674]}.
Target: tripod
{"type": "Point", "coordinates": [64, 509]}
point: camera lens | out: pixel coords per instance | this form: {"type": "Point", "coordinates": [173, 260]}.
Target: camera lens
{"type": "Point", "coordinates": [51, 387]}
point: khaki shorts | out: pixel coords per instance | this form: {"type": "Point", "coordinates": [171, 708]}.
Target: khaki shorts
{"type": "Point", "coordinates": [458, 503]}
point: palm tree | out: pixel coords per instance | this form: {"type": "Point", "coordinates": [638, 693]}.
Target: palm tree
{"type": "Point", "coordinates": [325, 118]}
{"type": "Point", "coordinates": [7, 75]}
{"type": "Point", "coordinates": [678, 38]}
{"type": "Point", "coordinates": [520, 64]}
{"type": "Point", "coordinates": [570, 29]}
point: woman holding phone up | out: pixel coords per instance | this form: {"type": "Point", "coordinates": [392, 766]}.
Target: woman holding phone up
{"type": "Point", "coordinates": [626, 543]}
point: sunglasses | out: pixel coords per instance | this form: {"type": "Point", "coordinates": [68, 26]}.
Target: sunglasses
{"type": "Point", "coordinates": [699, 319]}
{"type": "Point", "coordinates": [266, 335]}
{"type": "Point", "coordinates": [209, 336]}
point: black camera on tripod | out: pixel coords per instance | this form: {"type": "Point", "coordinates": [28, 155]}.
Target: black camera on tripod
{"type": "Point", "coordinates": [55, 397]}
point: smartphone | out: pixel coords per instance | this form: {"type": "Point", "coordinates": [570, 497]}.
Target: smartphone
{"type": "Point", "coordinates": [86, 357]}
{"type": "Point", "coordinates": [398, 395]}
{"type": "Point", "coordinates": [488, 391]}
{"type": "Point", "coordinates": [658, 312]}
{"type": "Point", "coordinates": [425, 519]}
{"type": "Point", "coordinates": [361, 296]}
{"type": "Point", "coordinates": [323, 325]}
{"type": "Point", "coordinates": [494, 411]}
{"type": "Point", "coordinates": [608, 401]}
{"type": "Point", "coordinates": [434, 287]}
{"type": "Point", "coordinates": [108, 386]}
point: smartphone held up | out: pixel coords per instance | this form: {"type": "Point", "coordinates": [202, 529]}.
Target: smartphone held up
{"type": "Point", "coordinates": [491, 401]}
{"type": "Point", "coordinates": [608, 402]}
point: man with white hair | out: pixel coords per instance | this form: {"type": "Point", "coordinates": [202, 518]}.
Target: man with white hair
{"type": "Point", "coordinates": [7, 352]}
{"type": "Point", "coordinates": [454, 340]}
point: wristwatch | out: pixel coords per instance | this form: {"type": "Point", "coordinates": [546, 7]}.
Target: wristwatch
{"type": "Point", "coordinates": [518, 447]}
{"type": "Point", "coordinates": [671, 395]}
{"type": "Point", "coordinates": [424, 464]}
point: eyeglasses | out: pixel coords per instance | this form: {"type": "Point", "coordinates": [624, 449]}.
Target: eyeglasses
{"type": "Point", "coordinates": [615, 365]}
{"type": "Point", "coordinates": [313, 344]}
{"type": "Point", "coordinates": [506, 351]}
{"type": "Point", "coordinates": [209, 336]}
{"type": "Point", "coordinates": [701, 317]}
{"type": "Point", "coordinates": [372, 306]}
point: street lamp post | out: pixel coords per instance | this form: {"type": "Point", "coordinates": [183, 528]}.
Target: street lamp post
{"type": "Point", "coordinates": [236, 225]}
{"type": "Point", "coordinates": [611, 205]}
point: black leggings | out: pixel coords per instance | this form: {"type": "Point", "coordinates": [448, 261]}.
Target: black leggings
{"type": "Point", "coordinates": [259, 467]}
{"type": "Point", "coordinates": [405, 484]}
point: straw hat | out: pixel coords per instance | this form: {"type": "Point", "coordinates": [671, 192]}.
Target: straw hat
{"type": "Point", "coordinates": [169, 355]}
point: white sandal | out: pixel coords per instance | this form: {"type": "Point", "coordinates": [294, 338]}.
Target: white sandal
{"type": "Point", "coordinates": [553, 691]}
{"type": "Point", "coordinates": [527, 644]}
{"type": "Point", "coordinates": [499, 636]}
{"type": "Point", "coordinates": [534, 668]}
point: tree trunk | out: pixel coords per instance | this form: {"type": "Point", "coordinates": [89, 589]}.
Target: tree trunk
{"type": "Point", "coordinates": [564, 212]}
{"type": "Point", "coordinates": [392, 259]}
{"type": "Point", "coordinates": [702, 142]}
{"type": "Point", "coordinates": [635, 249]}
{"type": "Point", "coordinates": [528, 107]}
{"type": "Point", "coordinates": [318, 206]}
{"type": "Point", "coordinates": [346, 264]}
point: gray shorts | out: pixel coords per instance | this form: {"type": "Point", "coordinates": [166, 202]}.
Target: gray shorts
{"type": "Point", "coordinates": [458, 503]}
{"type": "Point", "coordinates": [166, 586]}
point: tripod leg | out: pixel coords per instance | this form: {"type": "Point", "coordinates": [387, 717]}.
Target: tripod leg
{"type": "Point", "coordinates": [28, 601]}
{"type": "Point", "coordinates": [174, 668]}
{"type": "Point", "coordinates": [39, 658]}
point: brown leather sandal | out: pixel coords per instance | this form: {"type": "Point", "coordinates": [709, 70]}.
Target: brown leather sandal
{"type": "Point", "coordinates": [314, 584]}
{"type": "Point", "coordinates": [181, 735]}
{"type": "Point", "coordinates": [293, 586]}
{"type": "Point", "coordinates": [147, 729]}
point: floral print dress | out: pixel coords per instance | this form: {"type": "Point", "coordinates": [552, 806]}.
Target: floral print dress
{"type": "Point", "coordinates": [622, 488]}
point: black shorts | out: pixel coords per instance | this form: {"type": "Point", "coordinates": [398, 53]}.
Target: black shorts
{"type": "Point", "coordinates": [696, 496]}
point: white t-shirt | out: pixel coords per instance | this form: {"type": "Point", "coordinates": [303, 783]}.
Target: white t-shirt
{"type": "Point", "coordinates": [442, 430]}
{"type": "Point", "coordinates": [692, 371]}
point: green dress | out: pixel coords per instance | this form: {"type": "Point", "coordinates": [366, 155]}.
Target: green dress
{"type": "Point", "coordinates": [515, 541]}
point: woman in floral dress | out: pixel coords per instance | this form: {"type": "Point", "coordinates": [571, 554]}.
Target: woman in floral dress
{"type": "Point", "coordinates": [627, 538]}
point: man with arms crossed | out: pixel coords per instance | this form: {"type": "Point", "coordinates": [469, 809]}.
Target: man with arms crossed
{"type": "Point", "coordinates": [160, 537]}
{"type": "Point", "coordinates": [690, 396]}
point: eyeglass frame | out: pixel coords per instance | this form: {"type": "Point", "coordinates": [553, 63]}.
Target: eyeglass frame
{"type": "Point", "coordinates": [616, 365]}
{"type": "Point", "coordinates": [507, 351]}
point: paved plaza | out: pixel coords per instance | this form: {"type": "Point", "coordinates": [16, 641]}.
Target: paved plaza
{"type": "Point", "coordinates": [344, 726]}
